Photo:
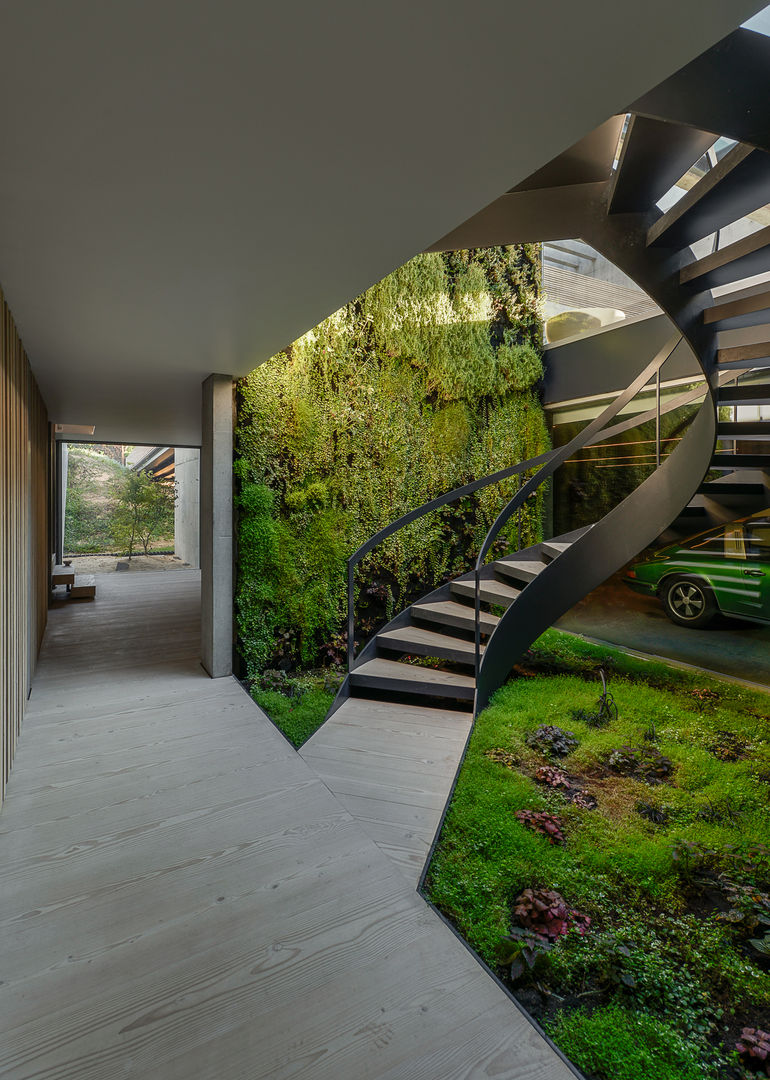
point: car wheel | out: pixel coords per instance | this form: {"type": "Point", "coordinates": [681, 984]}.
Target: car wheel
{"type": "Point", "coordinates": [688, 602]}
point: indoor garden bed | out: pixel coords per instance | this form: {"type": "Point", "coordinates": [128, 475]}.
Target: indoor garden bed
{"type": "Point", "coordinates": [611, 867]}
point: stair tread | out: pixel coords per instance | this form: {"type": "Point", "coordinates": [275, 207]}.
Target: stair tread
{"type": "Point", "coordinates": [739, 302]}
{"type": "Point", "coordinates": [452, 613]}
{"type": "Point", "coordinates": [392, 669]}
{"type": "Point", "coordinates": [744, 429]}
{"type": "Point", "coordinates": [727, 258]}
{"type": "Point", "coordinates": [735, 186]}
{"type": "Point", "coordinates": [492, 591]}
{"type": "Point", "coordinates": [559, 546]}
{"type": "Point", "coordinates": [740, 461]}
{"type": "Point", "coordinates": [420, 636]}
{"type": "Point", "coordinates": [519, 568]}
{"type": "Point", "coordinates": [748, 394]}
{"type": "Point", "coordinates": [746, 335]}
{"type": "Point", "coordinates": [719, 487]}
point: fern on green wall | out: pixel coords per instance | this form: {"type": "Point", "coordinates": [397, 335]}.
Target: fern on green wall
{"type": "Point", "coordinates": [422, 384]}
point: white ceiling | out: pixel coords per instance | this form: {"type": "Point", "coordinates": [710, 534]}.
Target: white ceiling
{"type": "Point", "coordinates": [188, 185]}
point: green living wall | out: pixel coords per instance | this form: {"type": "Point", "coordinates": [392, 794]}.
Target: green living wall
{"type": "Point", "coordinates": [425, 382]}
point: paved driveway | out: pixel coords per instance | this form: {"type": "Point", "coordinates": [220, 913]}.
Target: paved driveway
{"type": "Point", "coordinates": [615, 614]}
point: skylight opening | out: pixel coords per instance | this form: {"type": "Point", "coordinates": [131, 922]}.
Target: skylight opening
{"type": "Point", "coordinates": [759, 22]}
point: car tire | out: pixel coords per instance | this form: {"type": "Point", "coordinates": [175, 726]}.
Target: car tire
{"type": "Point", "coordinates": [688, 602]}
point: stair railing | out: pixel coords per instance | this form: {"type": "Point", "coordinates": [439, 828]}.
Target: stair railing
{"type": "Point", "coordinates": [557, 458]}
{"type": "Point", "coordinates": [415, 515]}
{"type": "Point", "coordinates": [596, 428]}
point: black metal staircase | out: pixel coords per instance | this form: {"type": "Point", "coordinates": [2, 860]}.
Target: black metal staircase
{"type": "Point", "coordinates": [478, 626]}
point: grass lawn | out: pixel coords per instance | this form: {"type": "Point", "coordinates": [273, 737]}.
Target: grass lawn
{"type": "Point", "coordinates": [622, 902]}
{"type": "Point", "coordinates": [297, 704]}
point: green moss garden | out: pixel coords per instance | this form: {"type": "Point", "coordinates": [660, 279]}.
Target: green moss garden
{"type": "Point", "coordinates": [604, 849]}
{"type": "Point", "coordinates": [612, 867]}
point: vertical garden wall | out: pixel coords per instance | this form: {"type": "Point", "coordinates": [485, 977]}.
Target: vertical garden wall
{"type": "Point", "coordinates": [426, 381]}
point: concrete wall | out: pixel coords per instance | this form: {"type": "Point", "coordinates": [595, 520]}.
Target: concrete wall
{"type": "Point", "coordinates": [187, 509]}
{"type": "Point", "coordinates": [26, 540]}
{"type": "Point", "coordinates": [217, 526]}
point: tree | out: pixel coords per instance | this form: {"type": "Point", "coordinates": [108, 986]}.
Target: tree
{"type": "Point", "coordinates": [144, 510]}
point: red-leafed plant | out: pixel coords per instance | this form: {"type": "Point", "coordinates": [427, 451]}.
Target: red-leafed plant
{"type": "Point", "coordinates": [552, 777]}
{"type": "Point", "coordinates": [547, 913]}
{"type": "Point", "coordinates": [540, 821]}
{"type": "Point", "coordinates": [754, 1050]}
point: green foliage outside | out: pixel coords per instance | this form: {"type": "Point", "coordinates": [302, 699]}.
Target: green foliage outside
{"type": "Point", "coordinates": [674, 875]}
{"type": "Point", "coordinates": [569, 324]}
{"type": "Point", "coordinates": [110, 508]}
{"type": "Point", "coordinates": [90, 504]}
{"type": "Point", "coordinates": [143, 511]}
{"type": "Point", "coordinates": [421, 384]}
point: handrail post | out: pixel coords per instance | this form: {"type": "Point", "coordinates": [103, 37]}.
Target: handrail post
{"type": "Point", "coordinates": [518, 517]}
{"type": "Point", "coordinates": [657, 419]}
{"type": "Point", "coordinates": [477, 618]}
{"type": "Point", "coordinates": [351, 617]}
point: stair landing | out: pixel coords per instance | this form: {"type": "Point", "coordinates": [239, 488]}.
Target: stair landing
{"type": "Point", "coordinates": [392, 767]}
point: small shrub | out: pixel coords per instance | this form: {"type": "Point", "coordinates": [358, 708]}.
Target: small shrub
{"type": "Point", "coordinates": [719, 813]}
{"type": "Point", "coordinates": [502, 757]}
{"type": "Point", "coordinates": [605, 711]}
{"type": "Point", "coordinates": [582, 799]}
{"type": "Point", "coordinates": [749, 907]}
{"type": "Point", "coordinates": [552, 777]}
{"type": "Point", "coordinates": [690, 857]}
{"type": "Point", "coordinates": [546, 912]}
{"type": "Point", "coordinates": [643, 761]}
{"type": "Point", "coordinates": [707, 699]}
{"type": "Point", "coordinates": [546, 824]}
{"type": "Point", "coordinates": [655, 814]}
{"type": "Point", "coordinates": [552, 740]}
{"type": "Point", "coordinates": [754, 1050]}
{"type": "Point", "coordinates": [274, 679]}
{"type": "Point", "coordinates": [525, 950]}
{"type": "Point", "coordinates": [727, 746]}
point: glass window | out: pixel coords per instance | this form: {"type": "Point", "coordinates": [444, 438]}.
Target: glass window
{"type": "Point", "coordinates": [735, 544]}
{"type": "Point", "coordinates": [709, 545]}
{"type": "Point", "coordinates": [584, 291]}
{"type": "Point", "coordinates": [758, 540]}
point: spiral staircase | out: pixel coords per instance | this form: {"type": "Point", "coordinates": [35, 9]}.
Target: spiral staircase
{"type": "Point", "coordinates": [479, 625]}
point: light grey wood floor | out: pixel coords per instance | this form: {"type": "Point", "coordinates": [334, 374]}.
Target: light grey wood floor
{"type": "Point", "coordinates": [392, 767]}
{"type": "Point", "coordinates": [183, 898]}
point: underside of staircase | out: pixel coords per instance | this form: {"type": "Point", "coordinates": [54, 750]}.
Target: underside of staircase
{"type": "Point", "coordinates": [458, 644]}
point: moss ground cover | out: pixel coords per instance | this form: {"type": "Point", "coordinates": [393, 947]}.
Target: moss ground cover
{"type": "Point", "coordinates": [297, 705]}
{"type": "Point", "coordinates": [628, 902]}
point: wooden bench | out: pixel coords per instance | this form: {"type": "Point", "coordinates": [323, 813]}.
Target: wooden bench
{"type": "Point", "coordinates": [84, 587]}
{"type": "Point", "coordinates": [62, 575]}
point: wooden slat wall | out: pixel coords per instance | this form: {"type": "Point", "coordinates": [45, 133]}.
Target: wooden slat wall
{"type": "Point", "coordinates": [24, 532]}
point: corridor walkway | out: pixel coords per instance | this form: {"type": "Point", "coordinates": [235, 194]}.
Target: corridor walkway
{"type": "Point", "coordinates": [183, 898]}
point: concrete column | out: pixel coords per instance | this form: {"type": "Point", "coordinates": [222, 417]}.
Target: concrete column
{"type": "Point", "coordinates": [216, 521]}
{"type": "Point", "coordinates": [186, 508]}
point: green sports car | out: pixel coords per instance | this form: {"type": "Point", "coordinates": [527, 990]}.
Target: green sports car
{"type": "Point", "coordinates": [726, 569]}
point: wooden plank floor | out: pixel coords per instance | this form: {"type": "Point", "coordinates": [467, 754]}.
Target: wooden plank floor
{"type": "Point", "coordinates": [392, 767]}
{"type": "Point", "coordinates": [183, 898]}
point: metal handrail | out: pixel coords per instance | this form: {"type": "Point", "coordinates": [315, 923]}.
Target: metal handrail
{"type": "Point", "coordinates": [594, 429]}
{"type": "Point", "coordinates": [555, 459]}
{"type": "Point", "coordinates": [415, 515]}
